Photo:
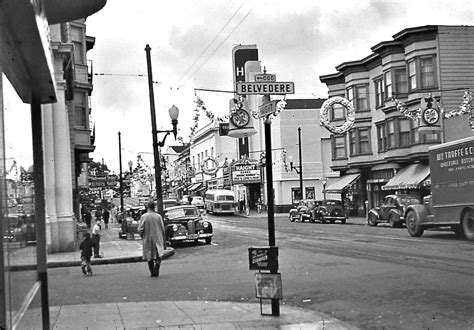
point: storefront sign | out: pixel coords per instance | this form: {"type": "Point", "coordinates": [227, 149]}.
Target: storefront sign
{"type": "Point", "coordinates": [245, 173]}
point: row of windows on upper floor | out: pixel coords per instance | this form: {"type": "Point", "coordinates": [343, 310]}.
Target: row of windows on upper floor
{"type": "Point", "coordinates": [419, 74]}
{"type": "Point", "coordinates": [393, 133]}
{"type": "Point", "coordinates": [200, 157]}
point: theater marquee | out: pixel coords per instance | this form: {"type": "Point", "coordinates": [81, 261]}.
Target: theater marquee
{"type": "Point", "coordinates": [246, 172]}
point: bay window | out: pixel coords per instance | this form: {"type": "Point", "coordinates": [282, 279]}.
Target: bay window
{"type": "Point", "coordinates": [422, 72]}
{"type": "Point", "coordinates": [358, 95]}
{"type": "Point", "coordinates": [339, 147]}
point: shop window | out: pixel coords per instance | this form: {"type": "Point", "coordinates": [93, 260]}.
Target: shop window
{"type": "Point", "coordinates": [309, 192]}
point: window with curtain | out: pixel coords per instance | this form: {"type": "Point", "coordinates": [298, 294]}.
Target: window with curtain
{"type": "Point", "coordinates": [80, 108]}
{"type": "Point", "coordinates": [422, 72]}
{"type": "Point", "coordinates": [391, 134]}
{"type": "Point", "coordinates": [388, 85]}
{"type": "Point", "coordinates": [358, 95]}
{"type": "Point", "coordinates": [427, 73]}
{"type": "Point", "coordinates": [401, 81]}
{"type": "Point", "coordinates": [412, 74]}
{"type": "Point", "coordinates": [379, 91]}
{"type": "Point", "coordinates": [404, 132]}
{"type": "Point", "coordinates": [382, 137]}
{"type": "Point", "coordinates": [359, 141]}
{"type": "Point", "coordinates": [339, 147]}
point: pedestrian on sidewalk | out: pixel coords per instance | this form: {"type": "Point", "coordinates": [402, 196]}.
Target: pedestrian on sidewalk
{"type": "Point", "coordinates": [86, 247]}
{"type": "Point", "coordinates": [106, 216]}
{"type": "Point", "coordinates": [96, 233]}
{"type": "Point", "coordinates": [152, 231]}
{"type": "Point", "coordinates": [88, 218]}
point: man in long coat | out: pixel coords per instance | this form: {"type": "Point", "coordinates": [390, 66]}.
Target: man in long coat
{"type": "Point", "coordinates": [152, 231]}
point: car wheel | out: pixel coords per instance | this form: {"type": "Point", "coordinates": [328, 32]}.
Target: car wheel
{"type": "Point", "coordinates": [311, 219]}
{"type": "Point", "coordinates": [467, 223]}
{"type": "Point", "coordinates": [323, 219]}
{"type": "Point", "coordinates": [372, 220]}
{"type": "Point", "coordinates": [343, 221]}
{"type": "Point", "coordinates": [292, 219]}
{"type": "Point", "coordinates": [208, 240]}
{"type": "Point", "coordinates": [413, 224]}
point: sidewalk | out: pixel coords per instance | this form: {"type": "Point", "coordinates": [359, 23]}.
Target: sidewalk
{"type": "Point", "coordinates": [166, 314]}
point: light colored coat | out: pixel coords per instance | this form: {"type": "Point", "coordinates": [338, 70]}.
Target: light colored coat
{"type": "Point", "coordinates": [152, 230]}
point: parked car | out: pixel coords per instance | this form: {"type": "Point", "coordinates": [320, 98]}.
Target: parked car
{"type": "Point", "coordinates": [304, 210]}
{"type": "Point", "coordinates": [391, 210]}
{"type": "Point", "coordinates": [198, 201]}
{"type": "Point", "coordinates": [331, 210]}
{"type": "Point", "coordinates": [185, 224]}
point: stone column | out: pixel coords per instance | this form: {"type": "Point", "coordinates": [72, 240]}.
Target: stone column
{"type": "Point", "coordinates": [63, 172]}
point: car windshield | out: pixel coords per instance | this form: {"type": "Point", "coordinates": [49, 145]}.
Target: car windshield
{"type": "Point", "coordinates": [181, 213]}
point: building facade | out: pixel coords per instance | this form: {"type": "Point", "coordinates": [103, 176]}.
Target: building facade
{"type": "Point", "coordinates": [386, 151]}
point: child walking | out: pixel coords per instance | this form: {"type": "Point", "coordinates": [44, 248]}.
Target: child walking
{"type": "Point", "coordinates": [86, 247]}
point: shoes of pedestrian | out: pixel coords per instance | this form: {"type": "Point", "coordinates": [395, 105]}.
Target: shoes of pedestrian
{"type": "Point", "coordinates": [99, 256]}
{"type": "Point", "coordinates": [156, 269]}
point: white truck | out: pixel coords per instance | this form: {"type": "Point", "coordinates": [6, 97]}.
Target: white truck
{"type": "Point", "coordinates": [451, 203]}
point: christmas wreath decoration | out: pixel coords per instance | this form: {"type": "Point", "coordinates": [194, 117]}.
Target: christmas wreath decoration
{"type": "Point", "coordinates": [464, 108]}
{"type": "Point", "coordinates": [205, 166]}
{"type": "Point", "coordinates": [350, 115]}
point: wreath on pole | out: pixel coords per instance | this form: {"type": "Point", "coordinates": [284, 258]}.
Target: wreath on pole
{"type": "Point", "coordinates": [350, 115]}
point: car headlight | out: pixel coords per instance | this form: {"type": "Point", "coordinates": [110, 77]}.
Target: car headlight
{"type": "Point", "coordinates": [205, 224]}
{"type": "Point", "coordinates": [175, 227]}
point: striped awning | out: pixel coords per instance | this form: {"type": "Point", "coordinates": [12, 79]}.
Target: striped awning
{"type": "Point", "coordinates": [342, 184]}
{"type": "Point", "coordinates": [195, 186]}
{"type": "Point", "coordinates": [408, 177]}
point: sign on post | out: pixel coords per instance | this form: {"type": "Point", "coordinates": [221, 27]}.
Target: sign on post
{"type": "Point", "coordinates": [265, 88]}
{"type": "Point", "coordinates": [267, 109]}
{"type": "Point", "coordinates": [263, 258]}
{"type": "Point", "coordinates": [265, 77]}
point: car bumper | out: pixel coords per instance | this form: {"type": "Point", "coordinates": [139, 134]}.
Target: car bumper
{"type": "Point", "coordinates": [189, 237]}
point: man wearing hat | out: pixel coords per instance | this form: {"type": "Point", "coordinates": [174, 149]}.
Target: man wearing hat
{"type": "Point", "coordinates": [152, 231]}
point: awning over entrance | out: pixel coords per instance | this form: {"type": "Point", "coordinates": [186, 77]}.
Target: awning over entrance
{"type": "Point", "coordinates": [342, 183]}
{"type": "Point", "coordinates": [408, 177]}
{"type": "Point", "coordinates": [195, 186]}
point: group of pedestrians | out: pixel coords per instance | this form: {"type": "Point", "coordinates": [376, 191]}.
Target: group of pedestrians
{"type": "Point", "coordinates": [151, 230]}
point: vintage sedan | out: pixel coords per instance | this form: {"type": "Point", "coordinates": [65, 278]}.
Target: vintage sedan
{"type": "Point", "coordinates": [331, 210]}
{"type": "Point", "coordinates": [391, 210]}
{"type": "Point", "coordinates": [185, 224]}
{"type": "Point", "coordinates": [305, 210]}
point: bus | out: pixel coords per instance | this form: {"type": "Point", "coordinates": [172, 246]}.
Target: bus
{"type": "Point", "coordinates": [219, 201]}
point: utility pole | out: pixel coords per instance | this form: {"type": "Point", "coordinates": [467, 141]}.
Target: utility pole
{"type": "Point", "coordinates": [120, 169]}
{"type": "Point", "coordinates": [301, 163]}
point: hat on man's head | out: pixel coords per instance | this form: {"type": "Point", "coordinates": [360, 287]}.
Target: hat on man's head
{"type": "Point", "coordinates": [150, 205]}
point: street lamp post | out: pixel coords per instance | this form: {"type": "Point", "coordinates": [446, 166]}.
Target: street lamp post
{"type": "Point", "coordinates": [120, 175]}
{"type": "Point", "coordinates": [174, 113]}
{"type": "Point", "coordinates": [299, 168]}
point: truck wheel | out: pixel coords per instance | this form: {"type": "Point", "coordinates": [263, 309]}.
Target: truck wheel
{"type": "Point", "coordinates": [413, 224]}
{"type": "Point", "coordinates": [467, 223]}
{"type": "Point", "coordinates": [372, 220]}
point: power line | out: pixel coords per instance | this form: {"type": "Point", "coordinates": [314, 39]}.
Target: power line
{"type": "Point", "coordinates": [210, 43]}
{"type": "Point", "coordinates": [219, 46]}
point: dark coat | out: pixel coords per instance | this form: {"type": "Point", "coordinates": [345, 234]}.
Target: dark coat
{"type": "Point", "coordinates": [87, 246]}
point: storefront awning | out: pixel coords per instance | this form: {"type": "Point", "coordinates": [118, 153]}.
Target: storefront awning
{"type": "Point", "coordinates": [408, 177]}
{"type": "Point", "coordinates": [195, 186]}
{"type": "Point", "coordinates": [343, 183]}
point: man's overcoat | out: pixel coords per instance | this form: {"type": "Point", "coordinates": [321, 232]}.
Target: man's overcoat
{"type": "Point", "coordinates": [152, 229]}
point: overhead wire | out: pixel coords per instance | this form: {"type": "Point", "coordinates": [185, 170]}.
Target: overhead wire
{"type": "Point", "coordinates": [219, 46]}
{"type": "Point", "coordinates": [210, 43]}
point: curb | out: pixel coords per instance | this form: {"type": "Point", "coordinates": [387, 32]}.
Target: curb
{"type": "Point", "coordinates": [75, 263]}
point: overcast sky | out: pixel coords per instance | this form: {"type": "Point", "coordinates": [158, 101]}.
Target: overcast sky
{"type": "Point", "coordinates": [191, 47]}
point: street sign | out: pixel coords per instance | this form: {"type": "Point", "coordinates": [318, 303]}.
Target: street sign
{"type": "Point", "coordinates": [265, 88]}
{"type": "Point", "coordinates": [267, 109]}
{"type": "Point", "coordinates": [263, 258]}
{"type": "Point", "coordinates": [265, 77]}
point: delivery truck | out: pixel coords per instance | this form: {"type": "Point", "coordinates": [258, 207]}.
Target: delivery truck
{"type": "Point", "coordinates": [451, 202]}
